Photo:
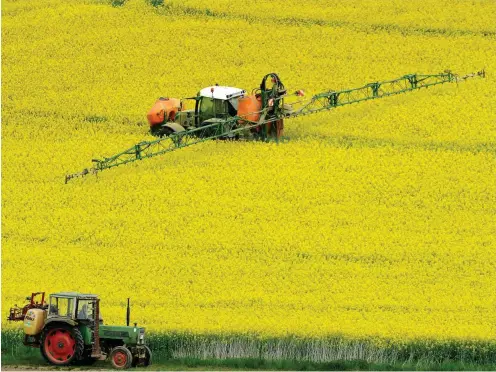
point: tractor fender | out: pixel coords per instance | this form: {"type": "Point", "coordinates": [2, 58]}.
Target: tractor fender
{"type": "Point", "coordinates": [60, 320]}
{"type": "Point", "coordinates": [175, 127]}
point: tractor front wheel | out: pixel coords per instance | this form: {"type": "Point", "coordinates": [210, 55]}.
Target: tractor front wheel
{"type": "Point", "coordinates": [121, 357]}
{"type": "Point", "coordinates": [61, 344]}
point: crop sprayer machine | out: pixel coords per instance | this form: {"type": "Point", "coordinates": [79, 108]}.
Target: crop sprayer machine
{"type": "Point", "coordinates": [69, 330]}
{"type": "Point", "coordinates": [231, 113]}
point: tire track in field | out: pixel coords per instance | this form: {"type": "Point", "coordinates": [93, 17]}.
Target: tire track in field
{"type": "Point", "coordinates": [180, 10]}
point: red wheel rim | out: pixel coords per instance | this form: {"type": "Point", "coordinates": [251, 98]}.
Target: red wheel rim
{"type": "Point", "coordinates": [120, 358]}
{"type": "Point", "coordinates": [59, 346]}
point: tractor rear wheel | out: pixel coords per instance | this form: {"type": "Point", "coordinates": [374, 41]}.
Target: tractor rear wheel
{"type": "Point", "coordinates": [61, 344]}
{"type": "Point", "coordinates": [121, 357]}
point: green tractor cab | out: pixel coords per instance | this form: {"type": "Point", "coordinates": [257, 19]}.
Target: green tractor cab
{"type": "Point", "coordinates": [70, 330]}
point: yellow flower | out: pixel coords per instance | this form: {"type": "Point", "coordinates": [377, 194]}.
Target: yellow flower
{"type": "Point", "coordinates": [373, 220]}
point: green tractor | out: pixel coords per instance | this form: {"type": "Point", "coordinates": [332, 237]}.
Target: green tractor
{"type": "Point", "coordinates": [70, 330]}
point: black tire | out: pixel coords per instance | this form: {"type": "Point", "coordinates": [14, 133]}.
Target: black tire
{"type": "Point", "coordinates": [148, 357]}
{"type": "Point", "coordinates": [121, 357]}
{"type": "Point", "coordinates": [61, 333]}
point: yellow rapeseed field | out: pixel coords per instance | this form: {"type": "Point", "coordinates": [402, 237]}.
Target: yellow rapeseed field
{"type": "Point", "coordinates": [373, 220]}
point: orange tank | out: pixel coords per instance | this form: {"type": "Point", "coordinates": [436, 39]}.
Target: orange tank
{"type": "Point", "coordinates": [164, 109]}
{"type": "Point", "coordinates": [249, 108]}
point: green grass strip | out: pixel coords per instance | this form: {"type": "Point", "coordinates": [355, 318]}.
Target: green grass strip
{"type": "Point", "coordinates": [294, 353]}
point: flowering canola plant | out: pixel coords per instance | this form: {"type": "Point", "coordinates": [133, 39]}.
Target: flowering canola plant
{"type": "Point", "coordinates": [374, 220]}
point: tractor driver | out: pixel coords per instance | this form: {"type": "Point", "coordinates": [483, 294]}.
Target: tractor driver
{"type": "Point", "coordinates": [83, 313]}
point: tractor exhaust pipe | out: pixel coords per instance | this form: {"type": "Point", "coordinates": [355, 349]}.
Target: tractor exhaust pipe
{"type": "Point", "coordinates": [128, 313]}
